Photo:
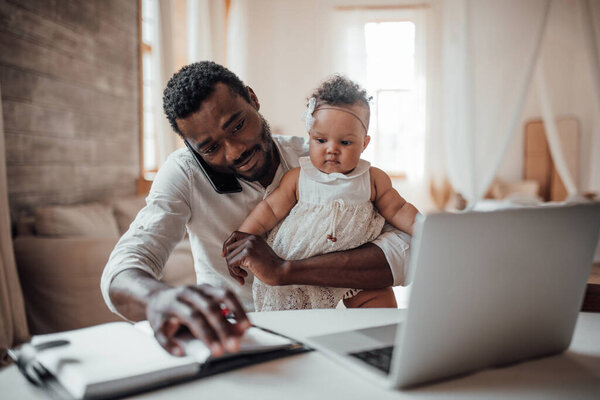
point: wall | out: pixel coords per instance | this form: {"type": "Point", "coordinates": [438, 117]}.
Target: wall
{"type": "Point", "coordinates": [289, 48]}
{"type": "Point", "coordinates": [69, 81]}
{"type": "Point", "coordinates": [289, 53]}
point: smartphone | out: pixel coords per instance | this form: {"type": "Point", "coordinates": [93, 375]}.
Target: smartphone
{"type": "Point", "coordinates": [221, 182]}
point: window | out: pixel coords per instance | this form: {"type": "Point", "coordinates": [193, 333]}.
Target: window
{"type": "Point", "coordinates": [397, 135]}
{"type": "Point", "coordinates": [148, 154]}
{"type": "Point", "coordinates": [392, 49]}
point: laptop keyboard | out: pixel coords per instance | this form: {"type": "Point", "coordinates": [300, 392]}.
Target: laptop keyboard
{"type": "Point", "coordinates": [380, 358]}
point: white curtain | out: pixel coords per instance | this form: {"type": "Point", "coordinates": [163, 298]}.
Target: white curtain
{"type": "Point", "coordinates": [489, 53]}
{"type": "Point", "coordinates": [206, 30]}
{"type": "Point", "coordinates": [349, 52]}
{"type": "Point", "coordinates": [163, 67]}
{"type": "Point", "coordinates": [13, 323]}
{"type": "Point", "coordinates": [588, 37]}
{"type": "Point", "coordinates": [237, 38]}
{"type": "Point", "coordinates": [590, 18]}
{"type": "Point", "coordinates": [551, 130]}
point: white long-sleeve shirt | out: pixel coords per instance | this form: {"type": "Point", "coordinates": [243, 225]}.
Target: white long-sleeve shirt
{"type": "Point", "coordinates": [182, 198]}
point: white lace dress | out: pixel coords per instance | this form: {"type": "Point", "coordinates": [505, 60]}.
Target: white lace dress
{"type": "Point", "coordinates": [333, 213]}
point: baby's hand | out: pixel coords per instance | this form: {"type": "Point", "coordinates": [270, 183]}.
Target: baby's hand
{"type": "Point", "coordinates": [236, 272]}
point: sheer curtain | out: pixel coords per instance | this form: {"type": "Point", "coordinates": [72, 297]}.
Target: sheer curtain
{"type": "Point", "coordinates": [206, 30]}
{"type": "Point", "coordinates": [163, 66]}
{"type": "Point", "coordinates": [13, 326]}
{"type": "Point", "coordinates": [588, 37]}
{"type": "Point", "coordinates": [237, 37]}
{"type": "Point", "coordinates": [489, 53]}
{"type": "Point", "coordinates": [349, 52]}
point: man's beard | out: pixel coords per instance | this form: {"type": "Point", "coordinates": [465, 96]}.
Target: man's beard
{"type": "Point", "coordinates": [267, 147]}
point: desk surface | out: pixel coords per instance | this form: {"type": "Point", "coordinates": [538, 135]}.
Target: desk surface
{"type": "Point", "coordinates": [573, 374]}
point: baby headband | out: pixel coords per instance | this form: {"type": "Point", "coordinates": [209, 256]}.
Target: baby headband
{"type": "Point", "coordinates": [309, 120]}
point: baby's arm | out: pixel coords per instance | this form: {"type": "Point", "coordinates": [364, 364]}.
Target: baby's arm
{"type": "Point", "coordinates": [274, 207]}
{"type": "Point", "coordinates": [390, 204]}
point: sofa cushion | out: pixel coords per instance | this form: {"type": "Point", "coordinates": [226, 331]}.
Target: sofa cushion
{"type": "Point", "coordinates": [83, 220]}
{"type": "Point", "coordinates": [60, 278]}
{"type": "Point", "coordinates": [126, 209]}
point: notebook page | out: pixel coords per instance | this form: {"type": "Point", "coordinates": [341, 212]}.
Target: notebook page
{"type": "Point", "coordinates": [107, 357]}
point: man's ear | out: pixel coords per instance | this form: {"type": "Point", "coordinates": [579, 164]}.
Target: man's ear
{"type": "Point", "coordinates": [367, 140]}
{"type": "Point", "coordinates": [253, 98]}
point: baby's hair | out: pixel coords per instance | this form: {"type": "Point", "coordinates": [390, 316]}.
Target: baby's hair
{"type": "Point", "coordinates": [338, 90]}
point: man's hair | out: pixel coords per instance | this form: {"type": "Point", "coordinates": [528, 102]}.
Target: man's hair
{"type": "Point", "coordinates": [192, 84]}
{"type": "Point", "coordinates": [340, 90]}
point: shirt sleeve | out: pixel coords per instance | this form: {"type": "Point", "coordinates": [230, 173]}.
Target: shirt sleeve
{"type": "Point", "coordinates": [157, 228]}
{"type": "Point", "coordinates": [395, 244]}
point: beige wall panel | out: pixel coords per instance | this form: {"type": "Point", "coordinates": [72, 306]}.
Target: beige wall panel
{"type": "Point", "coordinates": [64, 122]}
{"type": "Point", "coordinates": [31, 56]}
{"type": "Point", "coordinates": [65, 177]}
{"type": "Point", "coordinates": [98, 50]}
{"type": "Point", "coordinates": [29, 86]}
{"type": "Point", "coordinates": [27, 149]}
{"type": "Point", "coordinates": [33, 200]}
{"type": "Point", "coordinates": [69, 77]}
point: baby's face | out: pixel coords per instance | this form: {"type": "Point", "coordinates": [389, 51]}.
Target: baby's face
{"type": "Point", "coordinates": [337, 139]}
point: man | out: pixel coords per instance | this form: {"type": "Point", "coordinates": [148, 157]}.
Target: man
{"type": "Point", "coordinates": [217, 115]}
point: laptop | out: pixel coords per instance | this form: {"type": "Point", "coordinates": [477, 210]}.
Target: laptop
{"type": "Point", "coordinates": [487, 289]}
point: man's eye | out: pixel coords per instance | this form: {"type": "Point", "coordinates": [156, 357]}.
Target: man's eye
{"type": "Point", "coordinates": [210, 149]}
{"type": "Point", "coordinates": [239, 126]}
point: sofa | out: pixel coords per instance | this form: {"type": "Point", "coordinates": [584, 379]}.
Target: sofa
{"type": "Point", "coordinates": [61, 252]}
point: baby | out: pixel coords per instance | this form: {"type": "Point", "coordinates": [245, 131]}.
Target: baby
{"type": "Point", "coordinates": [330, 202]}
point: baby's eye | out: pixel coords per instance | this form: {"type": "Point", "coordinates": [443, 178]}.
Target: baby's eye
{"type": "Point", "coordinates": [239, 126]}
{"type": "Point", "coordinates": [346, 142]}
{"type": "Point", "coordinates": [320, 140]}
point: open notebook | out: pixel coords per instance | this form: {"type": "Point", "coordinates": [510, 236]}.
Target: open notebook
{"type": "Point", "coordinates": [119, 358]}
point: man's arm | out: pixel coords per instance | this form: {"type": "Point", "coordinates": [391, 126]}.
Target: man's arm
{"type": "Point", "coordinates": [130, 281]}
{"type": "Point", "coordinates": [365, 267]}
{"type": "Point", "coordinates": [137, 295]}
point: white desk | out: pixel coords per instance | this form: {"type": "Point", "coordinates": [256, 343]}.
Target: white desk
{"type": "Point", "coordinates": [571, 375]}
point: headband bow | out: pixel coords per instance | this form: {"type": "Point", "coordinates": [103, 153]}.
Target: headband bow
{"type": "Point", "coordinates": [309, 120]}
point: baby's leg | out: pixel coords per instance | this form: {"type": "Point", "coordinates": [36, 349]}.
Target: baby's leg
{"type": "Point", "coordinates": [373, 298]}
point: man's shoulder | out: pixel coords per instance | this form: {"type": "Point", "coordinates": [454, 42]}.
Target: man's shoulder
{"type": "Point", "coordinates": [180, 154]}
{"type": "Point", "coordinates": [295, 146]}
{"type": "Point", "coordinates": [180, 158]}
{"type": "Point", "coordinates": [178, 165]}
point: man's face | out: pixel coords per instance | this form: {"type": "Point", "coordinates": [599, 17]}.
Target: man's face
{"type": "Point", "coordinates": [230, 134]}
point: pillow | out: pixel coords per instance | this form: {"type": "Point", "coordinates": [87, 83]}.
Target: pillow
{"type": "Point", "coordinates": [126, 209]}
{"type": "Point", "coordinates": [87, 220]}
{"type": "Point", "coordinates": [519, 189]}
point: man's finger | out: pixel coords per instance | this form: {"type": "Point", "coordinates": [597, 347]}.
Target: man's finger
{"type": "Point", "coordinates": [232, 246]}
{"type": "Point", "coordinates": [236, 259]}
{"type": "Point", "coordinates": [232, 304]}
{"type": "Point", "coordinates": [235, 249]}
{"type": "Point", "coordinates": [164, 336]}
{"type": "Point", "coordinates": [239, 279]}
{"type": "Point", "coordinates": [195, 323]}
{"type": "Point", "coordinates": [233, 238]}
{"type": "Point", "coordinates": [212, 313]}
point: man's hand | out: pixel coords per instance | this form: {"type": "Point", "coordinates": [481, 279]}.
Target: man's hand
{"type": "Point", "coordinates": [200, 310]}
{"type": "Point", "coordinates": [243, 250]}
